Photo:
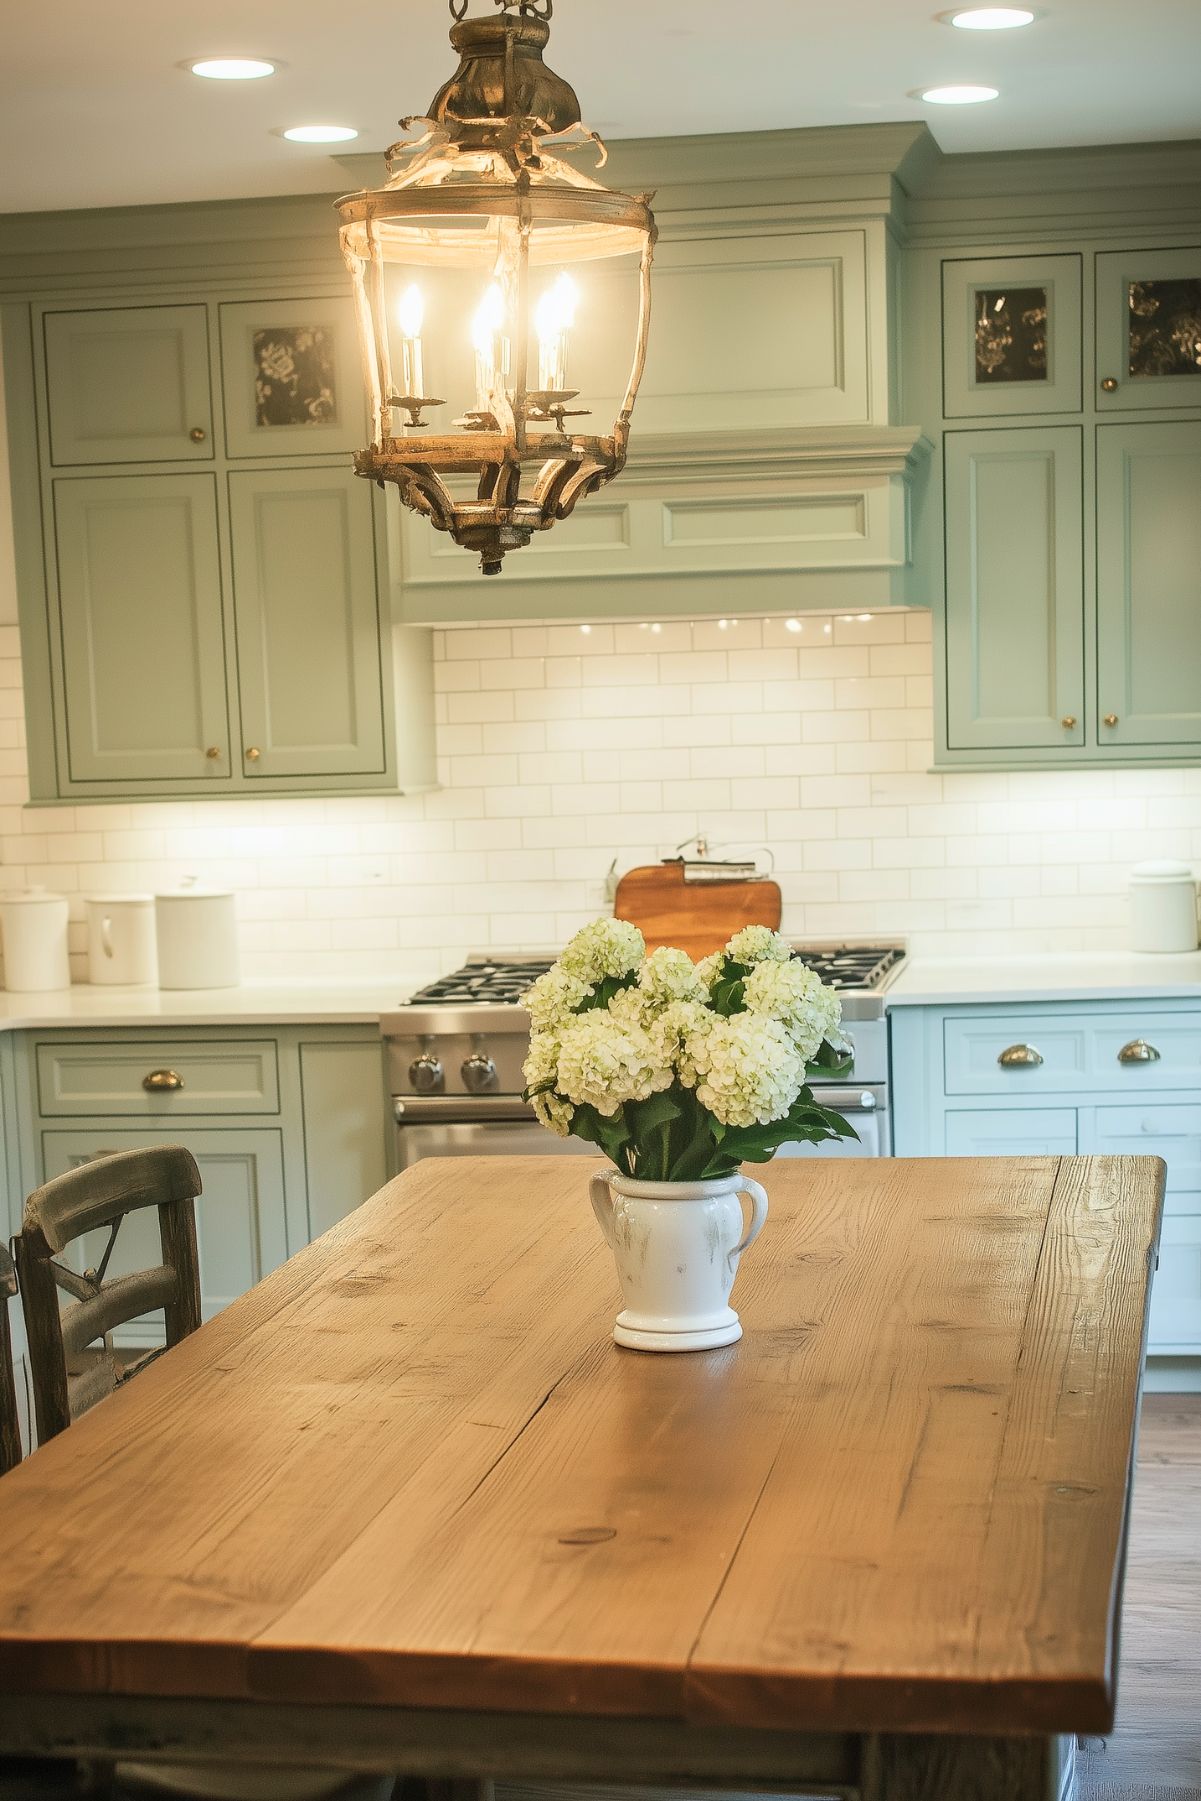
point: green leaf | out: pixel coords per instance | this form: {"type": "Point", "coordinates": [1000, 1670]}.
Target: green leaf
{"type": "Point", "coordinates": [612, 1136]}
{"type": "Point", "coordinates": [604, 991]}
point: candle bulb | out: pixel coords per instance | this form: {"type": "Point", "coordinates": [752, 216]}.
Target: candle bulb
{"type": "Point", "coordinates": [410, 315]}
{"type": "Point", "coordinates": [485, 335]}
{"type": "Point", "coordinates": [553, 320]}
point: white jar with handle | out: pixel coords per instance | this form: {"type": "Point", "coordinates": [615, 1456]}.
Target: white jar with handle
{"type": "Point", "coordinates": [121, 940]}
{"type": "Point", "coordinates": [1163, 907]}
{"type": "Point", "coordinates": [33, 924]}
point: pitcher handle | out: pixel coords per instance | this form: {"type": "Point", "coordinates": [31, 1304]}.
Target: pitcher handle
{"type": "Point", "coordinates": [601, 1196]}
{"type": "Point", "coordinates": [757, 1196]}
{"type": "Point", "coordinates": [106, 936]}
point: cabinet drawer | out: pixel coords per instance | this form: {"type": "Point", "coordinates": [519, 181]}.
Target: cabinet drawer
{"type": "Point", "coordinates": [1172, 1132]}
{"type": "Point", "coordinates": [1175, 1326]}
{"type": "Point", "coordinates": [1071, 1055]}
{"type": "Point", "coordinates": [1012, 1132]}
{"type": "Point", "coordinates": [212, 1076]}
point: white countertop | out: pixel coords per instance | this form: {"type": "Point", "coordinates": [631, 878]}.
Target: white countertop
{"type": "Point", "coordinates": [253, 1004]}
{"type": "Point", "coordinates": [1055, 976]}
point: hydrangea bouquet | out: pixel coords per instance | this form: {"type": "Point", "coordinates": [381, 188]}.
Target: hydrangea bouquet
{"type": "Point", "coordinates": [682, 1071]}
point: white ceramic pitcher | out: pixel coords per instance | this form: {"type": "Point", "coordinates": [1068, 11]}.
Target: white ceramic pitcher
{"type": "Point", "coordinates": [677, 1246]}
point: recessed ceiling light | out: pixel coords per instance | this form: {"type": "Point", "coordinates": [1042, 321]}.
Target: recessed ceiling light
{"type": "Point", "coordinates": [990, 18]}
{"type": "Point", "coordinates": [232, 68]}
{"type": "Point", "coordinates": [319, 134]}
{"type": "Point", "coordinates": [961, 95]}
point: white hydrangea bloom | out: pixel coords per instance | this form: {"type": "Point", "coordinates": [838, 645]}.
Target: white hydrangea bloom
{"type": "Point", "coordinates": [607, 947]}
{"type": "Point", "coordinates": [675, 1032]}
{"type": "Point", "coordinates": [709, 968]}
{"type": "Point", "coordinates": [606, 1061]}
{"type": "Point", "coordinates": [750, 1070]}
{"type": "Point", "coordinates": [554, 997]}
{"type": "Point", "coordinates": [793, 994]}
{"type": "Point", "coordinates": [669, 975]}
{"type": "Point", "coordinates": [542, 1065]}
{"type": "Point", "coordinates": [758, 944]}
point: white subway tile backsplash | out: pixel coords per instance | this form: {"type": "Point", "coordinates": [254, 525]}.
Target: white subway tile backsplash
{"type": "Point", "coordinates": [565, 750]}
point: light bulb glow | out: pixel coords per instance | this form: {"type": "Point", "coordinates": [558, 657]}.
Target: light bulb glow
{"type": "Point", "coordinates": [961, 94]}
{"type": "Point", "coordinates": [232, 68]}
{"type": "Point", "coordinates": [992, 18]}
{"type": "Point", "coordinates": [553, 318]}
{"type": "Point", "coordinates": [410, 313]}
{"type": "Point", "coordinates": [320, 134]}
{"type": "Point", "coordinates": [489, 317]}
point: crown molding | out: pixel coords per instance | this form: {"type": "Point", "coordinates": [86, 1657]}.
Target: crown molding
{"type": "Point", "coordinates": [815, 452]}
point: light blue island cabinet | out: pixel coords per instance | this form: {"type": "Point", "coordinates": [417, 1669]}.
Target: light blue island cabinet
{"type": "Point", "coordinates": [1104, 1077]}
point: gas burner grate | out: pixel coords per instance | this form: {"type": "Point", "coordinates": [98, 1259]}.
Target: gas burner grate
{"type": "Point", "coordinates": [484, 984]}
{"type": "Point", "coordinates": [851, 966]}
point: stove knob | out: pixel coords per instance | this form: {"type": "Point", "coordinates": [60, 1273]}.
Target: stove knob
{"type": "Point", "coordinates": [479, 1074]}
{"type": "Point", "coordinates": [425, 1073]}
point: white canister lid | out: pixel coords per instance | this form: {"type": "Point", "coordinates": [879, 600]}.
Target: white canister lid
{"type": "Point", "coordinates": [193, 891]}
{"type": "Point", "coordinates": [1161, 869]}
{"type": "Point", "coordinates": [28, 896]}
{"type": "Point", "coordinates": [119, 900]}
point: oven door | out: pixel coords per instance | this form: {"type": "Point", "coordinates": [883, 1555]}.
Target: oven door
{"type": "Point", "coordinates": [480, 1128]}
{"type": "Point", "coordinates": [864, 1108]}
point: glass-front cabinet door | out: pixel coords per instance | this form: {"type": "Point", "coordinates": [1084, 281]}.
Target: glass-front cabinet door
{"type": "Point", "coordinates": [1148, 329]}
{"type": "Point", "coordinates": [1149, 583]}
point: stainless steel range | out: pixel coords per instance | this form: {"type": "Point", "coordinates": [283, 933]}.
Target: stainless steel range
{"type": "Point", "coordinates": [454, 1057]}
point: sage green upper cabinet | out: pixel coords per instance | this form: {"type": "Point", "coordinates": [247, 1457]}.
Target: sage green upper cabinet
{"type": "Point", "coordinates": [1015, 588]}
{"type": "Point", "coordinates": [308, 627]}
{"type": "Point", "coordinates": [143, 657]}
{"type": "Point", "coordinates": [1149, 583]}
{"type": "Point", "coordinates": [128, 384]}
{"type": "Point", "coordinates": [1012, 335]}
{"type": "Point", "coordinates": [290, 378]}
{"type": "Point", "coordinates": [1148, 329]}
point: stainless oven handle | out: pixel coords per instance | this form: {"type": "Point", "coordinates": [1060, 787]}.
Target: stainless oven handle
{"type": "Point", "coordinates": [466, 1110]}
{"type": "Point", "coordinates": [846, 1100]}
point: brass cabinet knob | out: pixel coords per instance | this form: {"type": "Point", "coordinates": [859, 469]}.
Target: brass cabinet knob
{"type": "Point", "coordinates": [213, 752]}
{"type": "Point", "coordinates": [162, 1081]}
{"type": "Point", "coordinates": [1109, 385]}
{"type": "Point", "coordinates": [1068, 721]}
{"type": "Point", "coordinates": [1111, 719]}
{"type": "Point", "coordinates": [253, 754]}
{"type": "Point", "coordinates": [1020, 1056]}
{"type": "Point", "coordinates": [1138, 1051]}
{"type": "Point", "coordinates": [198, 434]}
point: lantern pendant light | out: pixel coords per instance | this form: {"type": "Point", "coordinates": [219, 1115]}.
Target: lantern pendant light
{"type": "Point", "coordinates": [486, 233]}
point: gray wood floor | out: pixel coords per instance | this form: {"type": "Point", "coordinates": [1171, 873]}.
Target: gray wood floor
{"type": "Point", "coordinates": [1154, 1751]}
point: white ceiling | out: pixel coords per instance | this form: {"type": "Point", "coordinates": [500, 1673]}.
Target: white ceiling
{"type": "Point", "coordinates": [95, 112]}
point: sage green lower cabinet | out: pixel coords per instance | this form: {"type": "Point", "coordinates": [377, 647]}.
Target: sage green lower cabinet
{"type": "Point", "coordinates": [1050, 1105]}
{"type": "Point", "coordinates": [310, 676]}
{"type": "Point", "coordinates": [128, 384]}
{"type": "Point", "coordinates": [1015, 589]}
{"type": "Point", "coordinates": [240, 1226]}
{"type": "Point", "coordinates": [345, 1125]}
{"type": "Point", "coordinates": [1149, 583]}
{"type": "Point", "coordinates": [140, 629]}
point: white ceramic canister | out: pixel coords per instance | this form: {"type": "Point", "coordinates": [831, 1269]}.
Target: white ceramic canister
{"type": "Point", "coordinates": [121, 939]}
{"type": "Point", "coordinates": [1163, 907]}
{"type": "Point", "coordinates": [34, 927]}
{"type": "Point", "coordinates": [197, 931]}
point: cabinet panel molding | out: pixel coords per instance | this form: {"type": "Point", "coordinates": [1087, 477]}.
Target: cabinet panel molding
{"type": "Point", "coordinates": [290, 378]}
{"type": "Point", "coordinates": [128, 384]}
{"type": "Point", "coordinates": [1002, 372]}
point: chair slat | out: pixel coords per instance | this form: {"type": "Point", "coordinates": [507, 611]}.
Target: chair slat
{"type": "Point", "coordinates": [117, 1303]}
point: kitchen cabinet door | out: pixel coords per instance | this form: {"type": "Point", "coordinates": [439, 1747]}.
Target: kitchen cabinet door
{"type": "Point", "coordinates": [1015, 589]}
{"type": "Point", "coordinates": [1174, 1328]}
{"type": "Point", "coordinates": [140, 624]}
{"type": "Point", "coordinates": [290, 378]}
{"type": "Point", "coordinates": [1149, 583]}
{"type": "Point", "coordinates": [1148, 329]}
{"type": "Point", "coordinates": [1011, 335]}
{"type": "Point", "coordinates": [310, 669]}
{"type": "Point", "coordinates": [1012, 1132]}
{"type": "Point", "coordinates": [240, 1220]}
{"type": "Point", "coordinates": [128, 384]}
{"type": "Point", "coordinates": [345, 1127]}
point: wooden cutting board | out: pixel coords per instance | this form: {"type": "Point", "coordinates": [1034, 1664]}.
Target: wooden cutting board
{"type": "Point", "coordinates": [698, 917]}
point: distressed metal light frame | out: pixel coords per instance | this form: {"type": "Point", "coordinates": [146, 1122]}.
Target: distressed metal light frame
{"type": "Point", "coordinates": [483, 188]}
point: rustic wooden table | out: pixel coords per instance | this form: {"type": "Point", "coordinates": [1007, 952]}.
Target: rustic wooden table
{"type": "Point", "coordinates": [405, 1505]}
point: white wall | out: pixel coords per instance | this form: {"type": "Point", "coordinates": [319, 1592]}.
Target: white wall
{"type": "Point", "coordinates": [564, 747]}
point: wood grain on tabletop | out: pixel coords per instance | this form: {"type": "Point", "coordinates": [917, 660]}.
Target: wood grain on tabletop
{"type": "Point", "coordinates": [698, 917]}
{"type": "Point", "coordinates": [412, 1467]}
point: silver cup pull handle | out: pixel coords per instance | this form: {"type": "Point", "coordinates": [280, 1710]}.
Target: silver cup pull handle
{"type": "Point", "coordinates": [1138, 1051]}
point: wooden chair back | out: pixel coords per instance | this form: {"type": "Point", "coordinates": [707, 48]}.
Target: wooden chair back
{"type": "Point", "coordinates": [10, 1420]}
{"type": "Point", "coordinates": [98, 1194]}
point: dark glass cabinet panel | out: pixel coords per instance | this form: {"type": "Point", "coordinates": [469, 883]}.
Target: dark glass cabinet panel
{"type": "Point", "coordinates": [1165, 327]}
{"type": "Point", "coordinates": [1011, 334]}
